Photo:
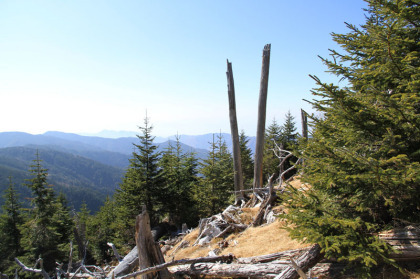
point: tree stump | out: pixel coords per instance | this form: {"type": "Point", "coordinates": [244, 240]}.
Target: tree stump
{"type": "Point", "coordinates": [149, 252]}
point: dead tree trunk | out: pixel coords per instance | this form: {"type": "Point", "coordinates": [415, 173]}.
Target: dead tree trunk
{"type": "Point", "coordinates": [254, 270]}
{"type": "Point", "coordinates": [148, 250]}
{"type": "Point", "coordinates": [129, 263]}
{"type": "Point", "coordinates": [238, 179]}
{"type": "Point", "coordinates": [262, 105]}
{"type": "Point", "coordinates": [304, 124]}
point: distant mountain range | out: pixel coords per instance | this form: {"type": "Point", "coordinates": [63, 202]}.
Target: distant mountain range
{"type": "Point", "coordinates": [84, 168]}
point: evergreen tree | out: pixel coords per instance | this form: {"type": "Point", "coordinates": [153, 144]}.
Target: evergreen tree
{"type": "Point", "coordinates": [217, 182]}
{"type": "Point", "coordinates": [363, 158]}
{"type": "Point", "coordinates": [46, 229]}
{"type": "Point", "coordinates": [83, 233]}
{"type": "Point", "coordinates": [288, 141]}
{"type": "Point", "coordinates": [10, 222]}
{"type": "Point", "coordinates": [63, 224]}
{"type": "Point", "coordinates": [142, 185]}
{"type": "Point", "coordinates": [273, 136]}
{"type": "Point", "coordinates": [179, 176]}
{"type": "Point", "coordinates": [103, 230]}
{"type": "Point", "coordinates": [246, 160]}
{"type": "Point", "coordinates": [288, 135]}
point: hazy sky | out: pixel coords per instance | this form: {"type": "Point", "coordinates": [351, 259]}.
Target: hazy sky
{"type": "Point", "coordinates": [85, 66]}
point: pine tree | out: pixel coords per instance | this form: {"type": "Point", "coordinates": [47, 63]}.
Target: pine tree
{"type": "Point", "coordinates": [103, 230]}
{"type": "Point", "coordinates": [217, 182]}
{"type": "Point", "coordinates": [142, 185]}
{"type": "Point", "coordinates": [179, 176]}
{"type": "Point", "coordinates": [289, 135]}
{"type": "Point", "coordinates": [45, 231]}
{"type": "Point", "coordinates": [83, 233]}
{"type": "Point", "coordinates": [273, 136]}
{"type": "Point", "coordinates": [363, 158]}
{"type": "Point", "coordinates": [10, 222]}
{"type": "Point", "coordinates": [246, 160]}
{"type": "Point", "coordinates": [63, 224]}
{"type": "Point", "coordinates": [288, 141]}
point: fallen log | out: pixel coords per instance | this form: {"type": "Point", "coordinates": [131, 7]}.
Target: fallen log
{"type": "Point", "coordinates": [226, 258]}
{"type": "Point", "coordinates": [247, 270]}
{"type": "Point", "coordinates": [405, 241]}
{"type": "Point", "coordinates": [129, 263]}
{"type": "Point", "coordinates": [271, 257]}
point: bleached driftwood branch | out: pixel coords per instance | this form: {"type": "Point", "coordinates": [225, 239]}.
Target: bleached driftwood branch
{"type": "Point", "coordinates": [226, 258]}
{"type": "Point", "coordinates": [34, 270]}
{"type": "Point", "coordinates": [114, 249]}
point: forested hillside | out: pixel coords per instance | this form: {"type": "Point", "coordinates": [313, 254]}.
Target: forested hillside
{"type": "Point", "coordinates": [83, 168]}
{"type": "Point", "coordinates": [170, 179]}
{"type": "Point", "coordinates": [79, 178]}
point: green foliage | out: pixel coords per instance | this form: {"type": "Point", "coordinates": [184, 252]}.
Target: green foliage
{"type": "Point", "coordinates": [47, 231]}
{"type": "Point", "coordinates": [363, 158]}
{"type": "Point", "coordinates": [10, 222]}
{"type": "Point", "coordinates": [142, 185]}
{"type": "Point", "coordinates": [284, 137]}
{"type": "Point", "coordinates": [272, 137]}
{"type": "Point", "coordinates": [246, 160]}
{"type": "Point", "coordinates": [101, 230]}
{"type": "Point", "coordinates": [179, 176]}
{"type": "Point", "coordinates": [77, 177]}
{"type": "Point", "coordinates": [216, 185]}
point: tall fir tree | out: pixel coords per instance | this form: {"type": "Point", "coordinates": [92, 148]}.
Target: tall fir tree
{"type": "Point", "coordinates": [288, 132]}
{"type": "Point", "coordinates": [44, 232]}
{"type": "Point", "coordinates": [246, 160]}
{"type": "Point", "coordinates": [273, 137]}
{"type": "Point", "coordinates": [179, 176]}
{"type": "Point", "coordinates": [217, 182]}
{"type": "Point", "coordinates": [288, 141]}
{"type": "Point", "coordinates": [102, 230]}
{"type": "Point", "coordinates": [142, 185]}
{"type": "Point", "coordinates": [10, 235]}
{"type": "Point", "coordinates": [363, 158]}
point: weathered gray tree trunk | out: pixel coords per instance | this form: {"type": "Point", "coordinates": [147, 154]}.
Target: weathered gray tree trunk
{"type": "Point", "coordinates": [304, 124]}
{"type": "Point", "coordinates": [149, 252]}
{"type": "Point", "coordinates": [129, 263]}
{"type": "Point", "coordinates": [254, 270]}
{"type": "Point", "coordinates": [405, 242]}
{"type": "Point", "coordinates": [238, 179]}
{"type": "Point", "coordinates": [262, 105]}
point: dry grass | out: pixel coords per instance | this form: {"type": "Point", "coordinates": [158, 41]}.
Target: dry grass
{"type": "Point", "coordinates": [256, 241]}
{"type": "Point", "coordinates": [262, 240]}
{"type": "Point", "coordinates": [265, 240]}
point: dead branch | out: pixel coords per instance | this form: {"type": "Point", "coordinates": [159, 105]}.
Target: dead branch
{"type": "Point", "coordinates": [38, 271]}
{"type": "Point", "coordinates": [130, 262]}
{"type": "Point", "coordinates": [114, 249]}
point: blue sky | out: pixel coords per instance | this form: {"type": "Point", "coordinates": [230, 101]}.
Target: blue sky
{"type": "Point", "coordinates": [86, 66]}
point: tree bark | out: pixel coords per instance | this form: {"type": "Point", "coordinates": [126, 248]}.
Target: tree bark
{"type": "Point", "coordinates": [262, 107]}
{"type": "Point", "coordinates": [149, 270]}
{"type": "Point", "coordinates": [255, 270]}
{"type": "Point", "coordinates": [304, 124]}
{"type": "Point", "coordinates": [238, 178]}
{"type": "Point", "coordinates": [304, 262]}
{"type": "Point", "coordinates": [129, 263]}
{"type": "Point", "coordinates": [148, 251]}
{"type": "Point", "coordinates": [405, 242]}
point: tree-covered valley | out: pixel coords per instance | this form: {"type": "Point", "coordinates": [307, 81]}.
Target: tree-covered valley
{"type": "Point", "coordinates": [100, 194]}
